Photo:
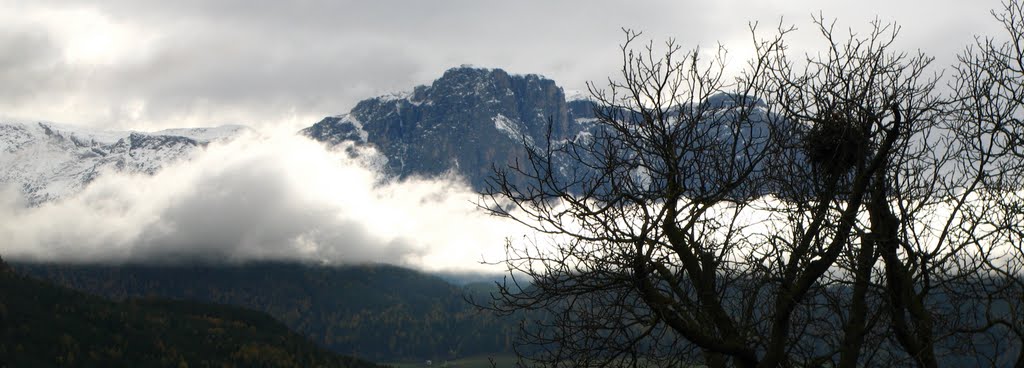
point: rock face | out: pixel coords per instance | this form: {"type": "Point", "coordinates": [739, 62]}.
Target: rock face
{"type": "Point", "coordinates": [48, 162]}
{"type": "Point", "coordinates": [472, 120]}
{"type": "Point", "coordinates": [465, 121]}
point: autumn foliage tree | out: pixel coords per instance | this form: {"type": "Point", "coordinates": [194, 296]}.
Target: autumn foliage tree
{"type": "Point", "coordinates": [837, 208]}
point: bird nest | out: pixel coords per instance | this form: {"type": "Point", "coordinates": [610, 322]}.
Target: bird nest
{"type": "Point", "coordinates": [835, 143]}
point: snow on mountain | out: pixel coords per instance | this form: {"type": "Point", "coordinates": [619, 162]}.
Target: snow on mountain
{"type": "Point", "coordinates": [47, 161]}
{"type": "Point", "coordinates": [213, 134]}
{"type": "Point", "coordinates": [467, 121]}
{"type": "Point", "coordinates": [471, 120]}
{"type": "Point", "coordinates": [577, 95]}
{"type": "Point", "coordinates": [511, 129]}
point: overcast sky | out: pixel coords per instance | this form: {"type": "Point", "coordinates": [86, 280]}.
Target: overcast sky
{"type": "Point", "coordinates": [145, 65]}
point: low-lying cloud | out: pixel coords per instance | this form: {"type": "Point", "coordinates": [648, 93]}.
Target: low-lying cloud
{"type": "Point", "coordinates": [278, 197]}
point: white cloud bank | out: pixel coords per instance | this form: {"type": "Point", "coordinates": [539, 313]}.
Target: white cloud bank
{"type": "Point", "coordinates": [278, 197]}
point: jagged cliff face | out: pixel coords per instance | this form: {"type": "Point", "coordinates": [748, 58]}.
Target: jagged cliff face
{"type": "Point", "coordinates": [48, 162]}
{"type": "Point", "coordinates": [472, 120]}
{"type": "Point", "coordinates": [466, 121]}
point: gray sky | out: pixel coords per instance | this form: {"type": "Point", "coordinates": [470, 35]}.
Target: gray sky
{"type": "Point", "coordinates": [146, 65]}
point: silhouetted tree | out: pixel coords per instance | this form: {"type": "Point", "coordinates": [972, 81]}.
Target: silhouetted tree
{"type": "Point", "coordinates": [989, 98]}
{"type": "Point", "coordinates": [829, 209]}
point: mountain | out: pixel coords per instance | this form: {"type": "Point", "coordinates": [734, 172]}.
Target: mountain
{"type": "Point", "coordinates": [376, 312]}
{"type": "Point", "coordinates": [48, 161]}
{"type": "Point", "coordinates": [43, 325]}
{"type": "Point", "coordinates": [468, 121]}
{"type": "Point", "coordinates": [465, 121]}
{"type": "Point", "coordinates": [472, 120]}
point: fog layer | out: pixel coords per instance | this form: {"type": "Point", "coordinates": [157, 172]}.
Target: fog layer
{"type": "Point", "coordinates": [258, 197]}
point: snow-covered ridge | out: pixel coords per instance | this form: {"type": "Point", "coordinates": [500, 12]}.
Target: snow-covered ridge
{"type": "Point", "coordinates": [205, 134]}
{"type": "Point", "coordinates": [394, 96]}
{"type": "Point", "coordinates": [47, 161]}
{"type": "Point", "coordinates": [358, 125]}
{"type": "Point", "coordinates": [511, 129]}
{"type": "Point", "coordinates": [100, 136]}
{"type": "Point", "coordinates": [577, 95]}
{"type": "Point", "coordinates": [474, 68]}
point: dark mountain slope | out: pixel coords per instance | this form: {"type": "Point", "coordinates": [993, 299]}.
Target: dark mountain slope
{"type": "Point", "coordinates": [43, 325]}
{"type": "Point", "coordinates": [382, 313]}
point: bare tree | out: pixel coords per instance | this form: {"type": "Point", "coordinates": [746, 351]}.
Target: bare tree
{"type": "Point", "coordinates": [815, 210]}
{"type": "Point", "coordinates": [989, 94]}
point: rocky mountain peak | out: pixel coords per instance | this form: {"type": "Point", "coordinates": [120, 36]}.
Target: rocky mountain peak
{"type": "Point", "coordinates": [465, 121]}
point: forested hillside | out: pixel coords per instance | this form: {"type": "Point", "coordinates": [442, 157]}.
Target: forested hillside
{"type": "Point", "coordinates": [377, 312]}
{"type": "Point", "coordinates": [43, 325]}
